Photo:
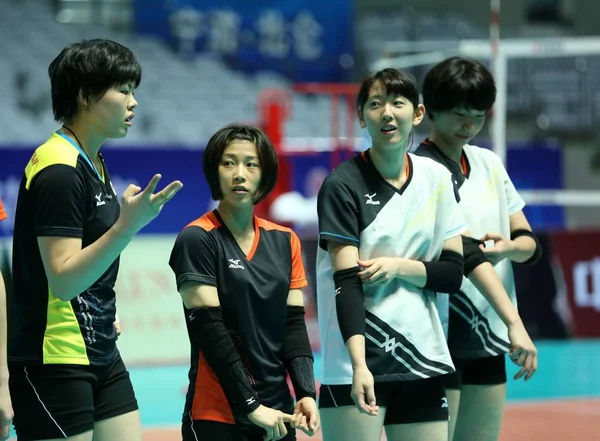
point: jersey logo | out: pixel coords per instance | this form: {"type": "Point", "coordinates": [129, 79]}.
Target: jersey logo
{"type": "Point", "coordinates": [235, 263]}
{"type": "Point", "coordinates": [99, 200]}
{"type": "Point", "coordinates": [444, 402]}
{"type": "Point", "coordinates": [370, 199]}
{"type": "Point", "coordinates": [250, 401]}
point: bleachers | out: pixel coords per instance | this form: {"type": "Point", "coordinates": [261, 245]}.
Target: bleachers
{"type": "Point", "coordinates": [183, 102]}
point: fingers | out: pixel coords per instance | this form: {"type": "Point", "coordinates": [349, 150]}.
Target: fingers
{"type": "Point", "coordinates": [368, 274]}
{"type": "Point", "coordinates": [364, 405]}
{"type": "Point", "coordinates": [527, 359]}
{"type": "Point", "coordinates": [282, 428]}
{"type": "Point", "coordinates": [170, 190]}
{"type": "Point", "coordinates": [492, 236]}
{"type": "Point", "coordinates": [370, 389]}
{"type": "Point", "coordinates": [301, 423]}
{"type": "Point", "coordinates": [534, 366]}
{"type": "Point", "coordinates": [365, 263]}
{"type": "Point", "coordinates": [149, 190]}
{"type": "Point", "coordinates": [130, 191]}
{"type": "Point", "coordinates": [4, 431]}
{"type": "Point", "coordinates": [287, 418]}
{"type": "Point", "coordinates": [117, 326]}
{"type": "Point", "coordinates": [161, 198]}
{"type": "Point", "coordinates": [361, 404]}
{"type": "Point", "coordinates": [314, 424]}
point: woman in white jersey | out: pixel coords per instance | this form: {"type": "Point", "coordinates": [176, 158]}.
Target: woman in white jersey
{"type": "Point", "coordinates": [389, 240]}
{"type": "Point", "coordinates": [458, 93]}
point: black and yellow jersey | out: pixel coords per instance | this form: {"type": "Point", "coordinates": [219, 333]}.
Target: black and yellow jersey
{"type": "Point", "coordinates": [62, 195]}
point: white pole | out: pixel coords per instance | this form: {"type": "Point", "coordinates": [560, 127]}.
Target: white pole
{"type": "Point", "coordinates": [499, 70]}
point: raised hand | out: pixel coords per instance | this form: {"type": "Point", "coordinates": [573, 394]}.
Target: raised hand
{"type": "Point", "coordinates": [139, 208]}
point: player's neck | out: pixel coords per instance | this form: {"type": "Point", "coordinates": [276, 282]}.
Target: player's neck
{"type": "Point", "coordinates": [450, 151]}
{"type": "Point", "coordinates": [239, 220]}
{"type": "Point", "coordinates": [391, 165]}
{"type": "Point", "coordinates": [83, 136]}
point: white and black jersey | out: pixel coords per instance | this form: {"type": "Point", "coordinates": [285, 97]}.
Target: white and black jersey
{"type": "Point", "coordinates": [356, 206]}
{"type": "Point", "coordinates": [487, 200]}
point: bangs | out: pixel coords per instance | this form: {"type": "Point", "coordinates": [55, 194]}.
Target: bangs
{"type": "Point", "coordinates": [394, 83]}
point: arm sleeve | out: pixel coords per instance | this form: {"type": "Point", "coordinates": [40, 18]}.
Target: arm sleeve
{"type": "Point", "coordinates": [193, 257]}
{"type": "Point", "coordinates": [298, 279]}
{"type": "Point", "coordinates": [338, 214]}
{"type": "Point", "coordinates": [59, 201]}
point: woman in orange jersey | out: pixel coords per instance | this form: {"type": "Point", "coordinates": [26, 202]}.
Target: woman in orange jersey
{"type": "Point", "coordinates": [241, 279]}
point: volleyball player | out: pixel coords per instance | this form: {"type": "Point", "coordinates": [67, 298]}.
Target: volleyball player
{"type": "Point", "coordinates": [458, 93]}
{"type": "Point", "coordinates": [241, 278]}
{"type": "Point", "coordinates": [389, 240]}
{"type": "Point", "coordinates": [67, 378]}
{"type": "Point", "coordinates": [6, 412]}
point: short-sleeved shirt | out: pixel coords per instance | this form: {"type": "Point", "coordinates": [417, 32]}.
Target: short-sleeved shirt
{"type": "Point", "coordinates": [62, 195]}
{"type": "Point", "coordinates": [253, 290]}
{"type": "Point", "coordinates": [357, 207]}
{"type": "Point", "coordinates": [487, 200]}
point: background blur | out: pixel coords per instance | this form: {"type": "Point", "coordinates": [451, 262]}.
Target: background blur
{"type": "Point", "coordinates": [292, 67]}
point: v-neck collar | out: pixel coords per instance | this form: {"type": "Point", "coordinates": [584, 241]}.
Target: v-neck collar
{"type": "Point", "coordinates": [408, 166]}
{"type": "Point", "coordinates": [252, 251]}
{"type": "Point", "coordinates": [465, 165]}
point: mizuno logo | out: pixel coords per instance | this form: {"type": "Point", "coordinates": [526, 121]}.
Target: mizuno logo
{"type": "Point", "coordinates": [235, 263]}
{"type": "Point", "coordinates": [99, 200]}
{"type": "Point", "coordinates": [370, 200]}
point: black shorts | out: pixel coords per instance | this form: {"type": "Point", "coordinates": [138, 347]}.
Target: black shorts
{"type": "Point", "coordinates": [406, 402]}
{"type": "Point", "coordinates": [242, 430]}
{"type": "Point", "coordinates": [486, 371]}
{"type": "Point", "coordinates": [56, 401]}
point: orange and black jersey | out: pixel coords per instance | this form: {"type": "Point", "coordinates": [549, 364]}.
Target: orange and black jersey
{"type": "Point", "coordinates": [2, 211]}
{"type": "Point", "coordinates": [253, 291]}
{"type": "Point", "coordinates": [62, 194]}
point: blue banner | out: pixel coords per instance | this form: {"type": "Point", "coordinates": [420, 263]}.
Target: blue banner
{"type": "Point", "coordinates": [136, 165]}
{"type": "Point", "coordinates": [304, 40]}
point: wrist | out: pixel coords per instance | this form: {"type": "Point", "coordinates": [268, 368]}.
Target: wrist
{"type": "Point", "coordinates": [514, 322]}
{"type": "Point", "coordinates": [254, 410]}
{"type": "Point", "coordinates": [122, 231]}
{"type": "Point", "coordinates": [359, 366]}
{"type": "Point", "coordinates": [511, 250]}
{"type": "Point", "coordinates": [400, 263]}
{"type": "Point", "coordinates": [304, 396]}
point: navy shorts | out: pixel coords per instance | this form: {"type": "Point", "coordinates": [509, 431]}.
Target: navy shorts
{"type": "Point", "coordinates": [406, 402]}
{"type": "Point", "coordinates": [56, 400]}
{"type": "Point", "coordinates": [486, 371]}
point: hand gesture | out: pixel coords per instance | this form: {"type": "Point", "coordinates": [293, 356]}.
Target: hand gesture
{"type": "Point", "coordinates": [272, 421]}
{"type": "Point", "coordinates": [306, 416]}
{"type": "Point", "coordinates": [378, 271]}
{"type": "Point", "coordinates": [6, 411]}
{"type": "Point", "coordinates": [502, 249]}
{"type": "Point", "coordinates": [139, 208]}
{"type": "Point", "coordinates": [363, 391]}
{"type": "Point", "coordinates": [523, 352]}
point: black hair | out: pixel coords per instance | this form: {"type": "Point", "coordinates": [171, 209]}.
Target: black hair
{"type": "Point", "coordinates": [394, 81]}
{"type": "Point", "coordinates": [267, 157]}
{"type": "Point", "coordinates": [458, 82]}
{"type": "Point", "coordinates": [89, 67]}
